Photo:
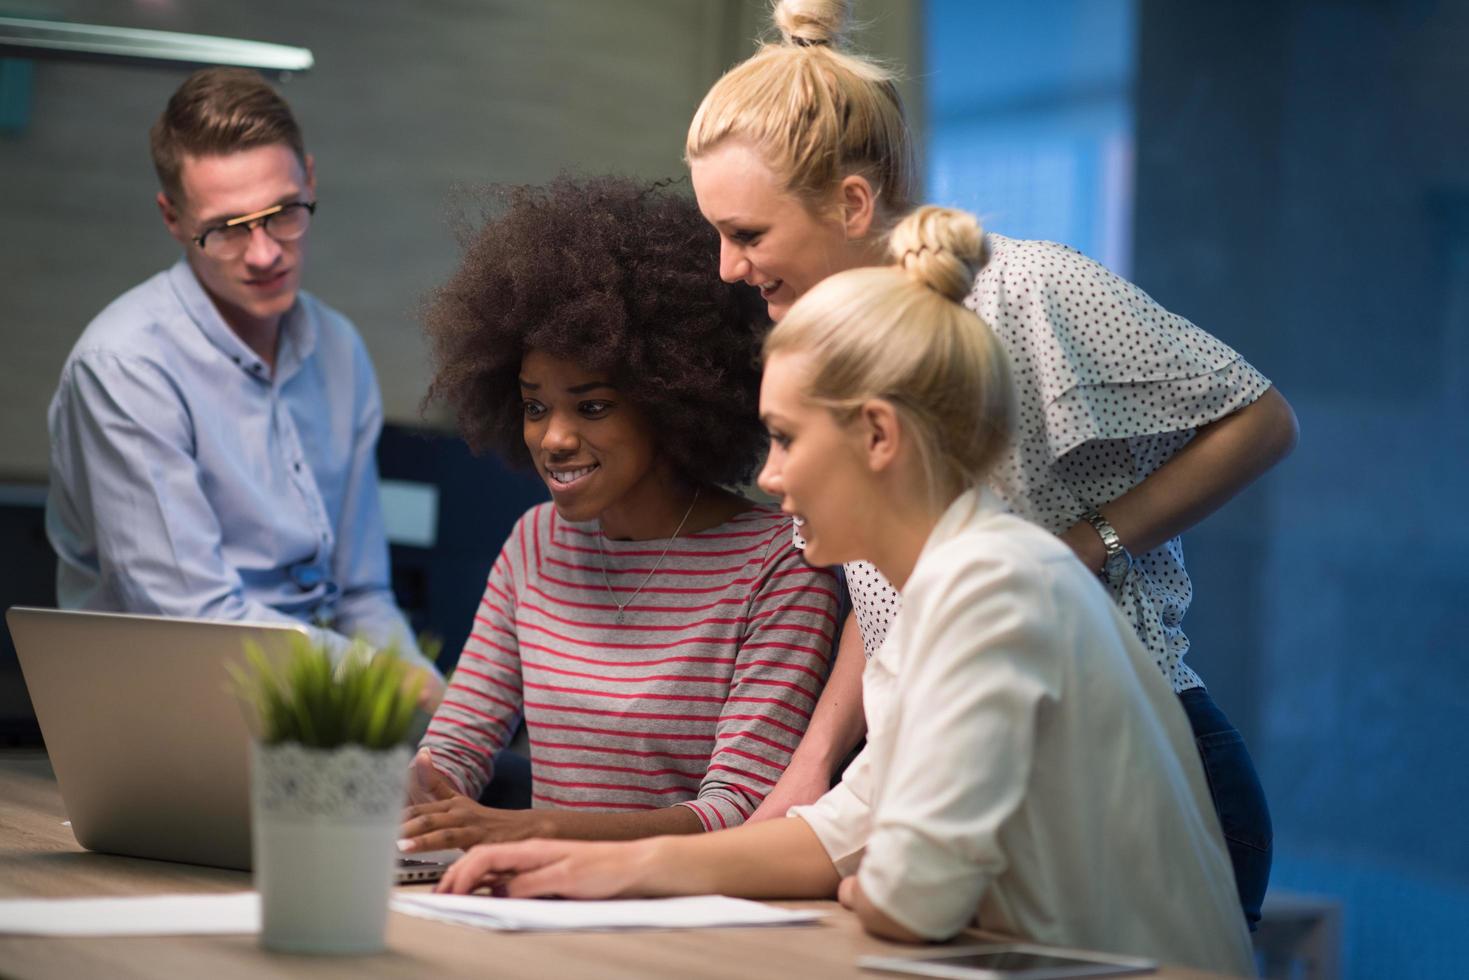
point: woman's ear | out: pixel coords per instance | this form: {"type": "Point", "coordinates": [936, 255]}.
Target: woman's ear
{"type": "Point", "coordinates": [881, 434]}
{"type": "Point", "coordinates": [859, 206]}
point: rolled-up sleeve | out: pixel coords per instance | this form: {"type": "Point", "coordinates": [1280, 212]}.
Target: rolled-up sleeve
{"type": "Point", "coordinates": [781, 666]}
{"type": "Point", "coordinates": [486, 691]}
{"type": "Point", "coordinates": [842, 818]}
{"type": "Point", "coordinates": [961, 746]}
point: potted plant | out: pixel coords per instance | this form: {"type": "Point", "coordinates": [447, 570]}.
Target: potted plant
{"type": "Point", "coordinates": [329, 770]}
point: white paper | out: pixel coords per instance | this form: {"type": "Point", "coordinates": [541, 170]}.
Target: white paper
{"type": "Point", "coordinates": [538, 914]}
{"type": "Point", "coordinates": [151, 915]}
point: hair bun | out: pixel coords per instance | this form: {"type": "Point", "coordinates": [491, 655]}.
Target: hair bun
{"type": "Point", "coordinates": [941, 248]}
{"type": "Point", "coordinates": [811, 22]}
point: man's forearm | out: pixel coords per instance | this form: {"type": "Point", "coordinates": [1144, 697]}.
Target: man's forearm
{"type": "Point", "coordinates": [374, 616]}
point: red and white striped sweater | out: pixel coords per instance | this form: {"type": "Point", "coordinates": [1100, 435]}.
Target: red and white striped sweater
{"type": "Point", "coordinates": [698, 698]}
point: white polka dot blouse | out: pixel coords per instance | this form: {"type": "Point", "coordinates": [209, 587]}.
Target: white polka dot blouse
{"type": "Point", "coordinates": [1110, 385]}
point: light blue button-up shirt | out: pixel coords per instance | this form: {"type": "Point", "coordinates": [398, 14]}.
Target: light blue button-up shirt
{"type": "Point", "coordinates": [189, 479]}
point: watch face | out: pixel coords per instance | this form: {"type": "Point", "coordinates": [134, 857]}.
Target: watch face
{"type": "Point", "coordinates": [1116, 567]}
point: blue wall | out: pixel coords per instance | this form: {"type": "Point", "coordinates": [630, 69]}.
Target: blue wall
{"type": "Point", "coordinates": [1301, 190]}
{"type": "Point", "coordinates": [1030, 118]}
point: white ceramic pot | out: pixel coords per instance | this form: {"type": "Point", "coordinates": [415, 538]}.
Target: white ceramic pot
{"type": "Point", "coordinates": [323, 828]}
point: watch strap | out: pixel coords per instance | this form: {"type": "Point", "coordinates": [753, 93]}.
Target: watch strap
{"type": "Point", "coordinates": [1118, 561]}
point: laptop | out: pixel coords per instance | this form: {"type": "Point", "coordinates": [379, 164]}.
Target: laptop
{"type": "Point", "coordinates": [149, 745]}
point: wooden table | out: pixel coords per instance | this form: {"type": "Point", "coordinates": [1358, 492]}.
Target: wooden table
{"type": "Point", "coordinates": [40, 858]}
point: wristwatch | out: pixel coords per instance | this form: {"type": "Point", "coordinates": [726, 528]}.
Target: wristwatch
{"type": "Point", "coordinates": [1118, 562]}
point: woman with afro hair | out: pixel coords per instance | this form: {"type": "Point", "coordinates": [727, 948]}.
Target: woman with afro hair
{"type": "Point", "coordinates": [661, 634]}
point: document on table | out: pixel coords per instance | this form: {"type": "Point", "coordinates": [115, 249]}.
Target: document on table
{"type": "Point", "coordinates": [239, 913]}
{"type": "Point", "coordinates": [150, 915]}
{"type": "Point", "coordinates": [538, 914]}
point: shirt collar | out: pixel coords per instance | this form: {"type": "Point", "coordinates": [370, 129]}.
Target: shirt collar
{"type": "Point", "coordinates": [298, 328]}
{"type": "Point", "coordinates": [298, 339]}
{"type": "Point", "coordinates": [972, 503]}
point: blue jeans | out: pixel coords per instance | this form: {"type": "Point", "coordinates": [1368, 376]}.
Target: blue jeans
{"type": "Point", "coordinates": [1238, 796]}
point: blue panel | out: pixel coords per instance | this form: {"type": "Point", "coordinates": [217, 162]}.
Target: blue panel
{"type": "Point", "coordinates": [1030, 119]}
{"type": "Point", "coordinates": [1303, 190]}
{"type": "Point", "coordinates": [995, 51]}
{"type": "Point", "coordinates": [15, 94]}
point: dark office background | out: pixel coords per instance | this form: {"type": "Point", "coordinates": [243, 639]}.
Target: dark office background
{"type": "Point", "coordinates": [1293, 175]}
{"type": "Point", "coordinates": [1300, 179]}
{"type": "Point", "coordinates": [1303, 177]}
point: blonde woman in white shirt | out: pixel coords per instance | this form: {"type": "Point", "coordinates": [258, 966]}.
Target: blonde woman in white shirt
{"type": "Point", "coordinates": [1026, 764]}
{"type": "Point", "coordinates": [1132, 424]}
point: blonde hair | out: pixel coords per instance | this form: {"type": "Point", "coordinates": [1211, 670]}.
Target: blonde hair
{"type": "Point", "coordinates": [815, 113]}
{"type": "Point", "coordinates": [900, 333]}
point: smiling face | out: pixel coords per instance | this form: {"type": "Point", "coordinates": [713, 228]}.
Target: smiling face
{"type": "Point", "coordinates": [768, 237]}
{"type": "Point", "coordinates": [816, 466]}
{"type": "Point", "coordinates": [594, 449]}
{"type": "Point", "coordinates": [253, 290]}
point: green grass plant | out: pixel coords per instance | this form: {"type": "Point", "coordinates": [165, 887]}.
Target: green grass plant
{"type": "Point", "coordinates": [366, 700]}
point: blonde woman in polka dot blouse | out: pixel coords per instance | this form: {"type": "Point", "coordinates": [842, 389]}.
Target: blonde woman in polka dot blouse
{"type": "Point", "coordinates": [1133, 424]}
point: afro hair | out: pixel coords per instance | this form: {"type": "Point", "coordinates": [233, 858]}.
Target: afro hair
{"type": "Point", "coordinates": [616, 275]}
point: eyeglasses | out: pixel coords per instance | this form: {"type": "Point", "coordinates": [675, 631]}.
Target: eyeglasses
{"type": "Point", "coordinates": [284, 223]}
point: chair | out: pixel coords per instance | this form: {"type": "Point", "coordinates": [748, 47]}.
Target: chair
{"type": "Point", "coordinates": [1299, 937]}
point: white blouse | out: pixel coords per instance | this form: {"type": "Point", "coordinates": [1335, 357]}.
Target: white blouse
{"type": "Point", "coordinates": [1027, 765]}
{"type": "Point", "coordinates": [1110, 386]}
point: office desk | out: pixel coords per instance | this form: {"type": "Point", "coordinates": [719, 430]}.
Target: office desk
{"type": "Point", "coordinates": [40, 858]}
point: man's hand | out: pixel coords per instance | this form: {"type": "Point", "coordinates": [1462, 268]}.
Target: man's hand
{"type": "Point", "coordinates": [799, 785]}
{"type": "Point", "coordinates": [460, 822]}
{"type": "Point", "coordinates": [535, 868]}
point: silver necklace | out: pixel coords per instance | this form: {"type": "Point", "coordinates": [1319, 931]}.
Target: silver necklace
{"type": "Point", "coordinates": [651, 572]}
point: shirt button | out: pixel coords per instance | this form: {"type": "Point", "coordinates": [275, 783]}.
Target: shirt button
{"type": "Point", "coordinates": [297, 467]}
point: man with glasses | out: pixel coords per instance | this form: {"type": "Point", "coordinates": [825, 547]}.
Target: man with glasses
{"type": "Point", "coordinates": [214, 431]}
